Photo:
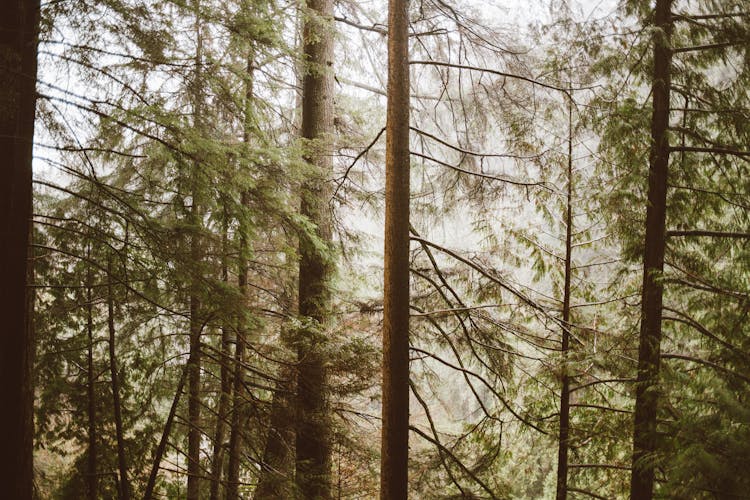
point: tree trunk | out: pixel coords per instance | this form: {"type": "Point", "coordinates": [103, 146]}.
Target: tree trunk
{"type": "Point", "coordinates": [194, 385]}
{"type": "Point", "coordinates": [313, 439]}
{"type": "Point", "coordinates": [649, 351]}
{"type": "Point", "coordinates": [562, 453]}
{"type": "Point", "coordinates": [159, 451]}
{"type": "Point", "coordinates": [394, 460]}
{"type": "Point", "coordinates": [19, 26]}
{"type": "Point", "coordinates": [91, 456]}
{"type": "Point", "coordinates": [235, 437]}
{"type": "Point", "coordinates": [217, 457]}
{"type": "Point", "coordinates": [115, 384]}
{"type": "Point", "coordinates": [194, 360]}
{"type": "Point", "coordinates": [278, 458]}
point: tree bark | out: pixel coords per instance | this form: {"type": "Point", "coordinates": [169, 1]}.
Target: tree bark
{"type": "Point", "coordinates": [92, 485]}
{"type": "Point", "coordinates": [276, 474]}
{"type": "Point", "coordinates": [115, 385]}
{"type": "Point", "coordinates": [649, 351]}
{"type": "Point", "coordinates": [194, 361]}
{"type": "Point", "coordinates": [159, 451]}
{"type": "Point", "coordinates": [235, 436]}
{"type": "Point", "coordinates": [562, 453]}
{"type": "Point", "coordinates": [313, 433]}
{"type": "Point", "coordinates": [19, 27]}
{"type": "Point", "coordinates": [394, 460]}
{"type": "Point", "coordinates": [217, 457]}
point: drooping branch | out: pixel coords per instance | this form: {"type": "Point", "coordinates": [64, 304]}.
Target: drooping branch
{"type": "Point", "coordinates": [486, 383]}
{"type": "Point", "coordinates": [454, 458]}
{"type": "Point", "coordinates": [710, 364]}
{"type": "Point", "coordinates": [706, 233]}
{"type": "Point", "coordinates": [564, 90]}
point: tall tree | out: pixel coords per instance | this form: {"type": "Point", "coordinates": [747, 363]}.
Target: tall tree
{"type": "Point", "coordinates": [122, 463]}
{"type": "Point", "coordinates": [18, 66]}
{"type": "Point", "coordinates": [313, 439]}
{"type": "Point", "coordinates": [649, 350]}
{"type": "Point", "coordinates": [217, 456]}
{"type": "Point", "coordinates": [92, 478]}
{"type": "Point", "coordinates": [235, 430]}
{"type": "Point", "coordinates": [236, 433]}
{"type": "Point", "coordinates": [394, 459]}
{"type": "Point", "coordinates": [194, 216]}
{"type": "Point", "coordinates": [564, 432]}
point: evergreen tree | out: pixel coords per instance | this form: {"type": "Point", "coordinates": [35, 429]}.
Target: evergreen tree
{"type": "Point", "coordinates": [18, 49]}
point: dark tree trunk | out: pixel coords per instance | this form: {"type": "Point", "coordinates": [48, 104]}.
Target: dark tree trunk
{"type": "Point", "coordinates": [91, 476]}
{"type": "Point", "coordinates": [19, 26]}
{"type": "Point", "coordinates": [562, 453]}
{"type": "Point", "coordinates": [194, 380]}
{"type": "Point", "coordinates": [115, 384]}
{"type": "Point", "coordinates": [217, 460]}
{"type": "Point", "coordinates": [277, 470]}
{"type": "Point", "coordinates": [162, 446]}
{"type": "Point", "coordinates": [394, 458]}
{"type": "Point", "coordinates": [649, 351]}
{"type": "Point", "coordinates": [217, 457]}
{"type": "Point", "coordinates": [194, 361]}
{"type": "Point", "coordinates": [313, 439]}
{"type": "Point", "coordinates": [235, 436]}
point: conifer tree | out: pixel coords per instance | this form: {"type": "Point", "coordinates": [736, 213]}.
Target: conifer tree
{"type": "Point", "coordinates": [394, 461]}
{"type": "Point", "coordinates": [18, 69]}
{"type": "Point", "coordinates": [313, 432]}
{"type": "Point", "coordinates": [644, 434]}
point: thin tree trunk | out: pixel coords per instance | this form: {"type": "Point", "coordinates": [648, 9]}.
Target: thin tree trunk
{"type": "Point", "coordinates": [159, 452]}
{"type": "Point", "coordinates": [194, 388]}
{"type": "Point", "coordinates": [235, 437]}
{"type": "Point", "coordinates": [194, 360]}
{"type": "Point", "coordinates": [91, 457]}
{"type": "Point", "coordinates": [649, 351]}
{"type": "Point", "coordinates": [115, 384]}
{"type": "Point", "coordinates": [19, 26]}
{"type": "Point", "coordinates": [394, 459]}
{"type": "Point", "coordinates": [562, 454]}
{"type": "Point", "coordinates": [313, 440]}
{"type": "Point", "coordinates": [217, 458]}
{"type": "Point", "coordinates": [278, 458]}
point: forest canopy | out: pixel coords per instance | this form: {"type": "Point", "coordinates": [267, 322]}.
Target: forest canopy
{"type": "Point", "coordinates": [282, 249]}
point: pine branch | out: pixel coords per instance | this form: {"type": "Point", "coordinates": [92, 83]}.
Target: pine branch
{"type": "Point", "coordinates": [710, 364]}
{"type": "Point", "coordinates": [710, 46]}
{"type": "Point", "coordinates": [702, 17]}
{"type": "Point", "coordinates": [706, 233]}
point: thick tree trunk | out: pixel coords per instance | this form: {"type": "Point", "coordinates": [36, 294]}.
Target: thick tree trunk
{"type": "Point", "coordinates": [562, 453]}
{"type": "Point", "coordinates": [19, 26]}
{"type": "Point", "coordinates": [394, 460]}
{"type": "Point", "coordinates": [313, 439]}
{"type": "Point", "coordinates": [644, 433]}
{"type": "Point", "coordinates": [91, 457]}
{"type": "Point", "coordinates": [277, 470]}
{"type": "Point", "coordinates": [115, 384]}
